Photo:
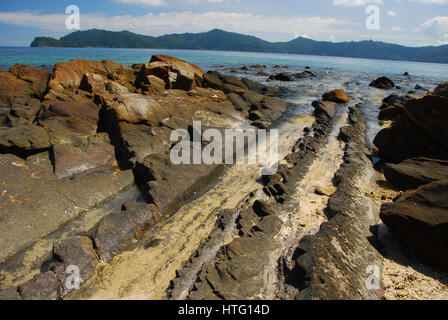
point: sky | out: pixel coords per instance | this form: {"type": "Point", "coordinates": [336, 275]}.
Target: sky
{"type": "Point", "coordinates": [407, 22]}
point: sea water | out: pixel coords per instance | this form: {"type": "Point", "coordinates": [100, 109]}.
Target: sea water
{"type": "Point", "coordinates": [351, 74]}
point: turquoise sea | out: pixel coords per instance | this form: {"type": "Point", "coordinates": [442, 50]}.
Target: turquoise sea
{"type": "Point", "coordinates": [49, 56]}
{"type": "Point", "coordinates": [353, 75]}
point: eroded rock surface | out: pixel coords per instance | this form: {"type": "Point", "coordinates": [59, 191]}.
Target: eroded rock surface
{"type": "Point", "coordinates": [73, 135]}
{"type": "Point", "coordinates": [413, 173]}
{"type": "Point", "coordinates": [417, 131]}
{"type": "Point", "coordinates": [420, 220]}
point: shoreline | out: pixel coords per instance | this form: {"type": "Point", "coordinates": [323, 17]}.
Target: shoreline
{"type": "Point", "coordinates": [370, 65]}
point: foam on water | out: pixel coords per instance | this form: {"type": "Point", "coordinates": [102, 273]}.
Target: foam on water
{"type": "Point", "coordinates": [355, 84]}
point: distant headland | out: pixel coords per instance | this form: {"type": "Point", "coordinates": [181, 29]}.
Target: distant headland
{"type": "Point", "coordinates": [228, 41]}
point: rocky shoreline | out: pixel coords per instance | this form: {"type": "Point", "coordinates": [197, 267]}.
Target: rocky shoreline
{"type": "Point", "coordinates": [86, 180]}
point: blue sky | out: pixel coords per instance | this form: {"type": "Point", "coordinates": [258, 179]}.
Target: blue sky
{"type": "Point", "coordinates": [409, 22]}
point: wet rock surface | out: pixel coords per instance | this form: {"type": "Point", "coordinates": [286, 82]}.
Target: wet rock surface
{"type": "Point", "coordinates": [281, 77]}
{"type": "Point", "coordinates": [337, 96]}
{"type": "Point", "coordinates": [382, 83]}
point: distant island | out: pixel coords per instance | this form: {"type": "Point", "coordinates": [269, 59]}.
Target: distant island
{"type": "Point", "coordinates": [228, 41]}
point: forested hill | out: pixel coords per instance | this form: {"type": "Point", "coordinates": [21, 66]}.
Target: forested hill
{"type": "Point", "coordinates": [227, 41]}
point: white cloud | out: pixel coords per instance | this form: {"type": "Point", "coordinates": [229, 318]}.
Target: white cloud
{"type": "Point", "coordinates": [392, 13]}
{"type": "Point", "coordinates": [355, 3]}
{"type": "Point", "coordinates": [430, 1]}
{"type": "Point", "coordinates": [436, 28]}
{"type": "Point", "coordinates": [147, 3]}
{"type": "Point", "coordinates": [358, 3]}
{"type": "Point", "coordinates": [174, 22]}
{"type": "Point", "coordinates": [142, 2]}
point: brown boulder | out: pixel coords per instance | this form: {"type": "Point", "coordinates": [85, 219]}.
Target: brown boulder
{"type": "Point", "coordinates": [23, 141]}
{"type": "Point", "coordinates": [113, 87]}
{"type": "Point", "coordinates": [36, 77]}
{"type": "Point", "coordinates": [4, 111]}
{"type": "Point", "coordinates": [65, 120]}
{"type": "Point", "coordinates": [11, 88]}
{"type": "Point", "coordinates": [382, 83]}
{"type": "Point", "coordinates": [135, 108]}
{"type": "Point", "coordinates": [137, 141]}
{"type": "Point", "coordinates": [324, 107]}
{"type": "Point", "coordinates": [43, 286]}
{"type": "Point", "coordinates": [404, 140]}
{"type": "Point", "coordinates": [93, 83]}
{"type": "Point", "coordinates": [262, 89]}
{"type": "Point", "coordinates": [115, 233]}
{"type": "Point", "coordinates": [68, 75]}
{"type": "Point", "coordinates": [392, 106]}
{"type": "Point", "coordinates": [78, 252]}
{"type": "Point", "coordinates": [155, 84]}
{"type": "Point", "coordinates": [159, 70]}
{"type": "Point", "coordinates": [389, 113]}
{"type": "Point", "coordinates": [234, 81]}
{"type": "Point", "coordinates": [23, 111]}
{"type": "Point", "coordinates": [92, 155]}
{"type": "Point", "coordinates": [85, 110]}
{"type": "Point", "coordinates": [209, 106]}
{"type": "Point", "coordinates": [418, 131]}
{"type": "Point", "coordinates": [166, 184]}
{"type": "Point", "coordinates": [413, 173]}
{"type": "Point", "coordinates": [213, 80]}
{"type": "Point", "coordinates": [441, 90]}
{"type": "Point", "coordinates": [420, 220]}
{"type": "Point", "coordinates": [337, 96]}
{"type": "Point", "coordinates": [189, 75]}
{"type": "Point", "coordinates": [283, 76]}
{"type": "Point", "coordinates": [120, 230]}
{"type": "Point", "coordinates": [431, 114]}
